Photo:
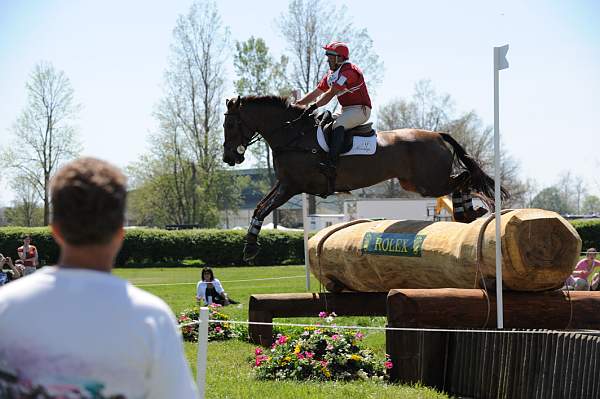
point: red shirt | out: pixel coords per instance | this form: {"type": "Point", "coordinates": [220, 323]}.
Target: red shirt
{"type": "Point", "coordinates": [348, 78]}
{"type": "Point", "coordinates": [28, 261]}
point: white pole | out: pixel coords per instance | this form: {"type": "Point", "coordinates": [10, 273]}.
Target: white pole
{"type": "Point", "coordinates": [306, 225]}
{"type": "Point", "coordinates": [499, 63]}
{"type": "Point", "coordinates": [202, 351]}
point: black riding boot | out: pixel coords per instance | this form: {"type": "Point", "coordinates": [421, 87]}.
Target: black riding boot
{"type": "Point", "coordinates": [335, 147]}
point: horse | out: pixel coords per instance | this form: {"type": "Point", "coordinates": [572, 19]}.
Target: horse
{"type": "Point", "coordinates": [421, 160]}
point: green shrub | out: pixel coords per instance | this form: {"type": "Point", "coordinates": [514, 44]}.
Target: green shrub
{"type": "Point", "coordinates": [589, 231]}
{"type": "Point", "coordinates": [154, 246]}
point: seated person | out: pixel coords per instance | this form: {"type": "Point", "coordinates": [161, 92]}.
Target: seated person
{"type": "Point", "coordinates": [12, 273]}
{"type": "Point", "coordinates": [584, 277]}
{"type": "Point", "coordinates": [209, 289]}
{"type": "Point", "coordinates": [28, 254]}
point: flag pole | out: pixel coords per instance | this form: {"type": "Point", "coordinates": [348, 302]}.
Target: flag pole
{"type": "Point", "coordinates": [500, 63]}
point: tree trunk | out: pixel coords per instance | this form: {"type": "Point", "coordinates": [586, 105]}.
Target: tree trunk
{"type": "Point", "coordinates": [46, 200]}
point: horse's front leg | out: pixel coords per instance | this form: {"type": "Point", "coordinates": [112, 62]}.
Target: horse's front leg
{"type": "Point", "coordinates": [277, 197]}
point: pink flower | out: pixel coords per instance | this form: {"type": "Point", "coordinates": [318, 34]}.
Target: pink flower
{"type": "Point", "coordinates": [258, 351]}
{"type": "Point", "coordinates": [359, 335]}
{"type": "Point", "coordinates": [309, 355]}
{"type": "Point", "coordinates": [329, 347]}
{"type": "Point", "coordinates": [300, 356]}
{"type": "Point", "coordinates": [218, 329]}
{"type": "Point", "coordinates": [388, 364]}
{"type": "Point", "coordinates": [335, 337]}
{"type": "Point", "coordinates": [324, 363]}
{"type": "Point", "coordinates": [260, 359]}
{"type": "Point", "coordinates": [282, 339]}
{"type": "Point", "coordinates": [322, 314]}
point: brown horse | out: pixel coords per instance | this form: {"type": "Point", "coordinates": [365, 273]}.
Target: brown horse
{"type": "Point", "coordinates": [421, 160]}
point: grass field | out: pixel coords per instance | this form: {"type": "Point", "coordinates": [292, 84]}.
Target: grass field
{"type": "Point", "coordinates": [229, 374]}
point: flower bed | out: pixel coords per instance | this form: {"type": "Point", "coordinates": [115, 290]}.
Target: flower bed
{"type": "Point", "coordinates": [323, 353]}
{"type": "Point", "coordinates": [216, 331]}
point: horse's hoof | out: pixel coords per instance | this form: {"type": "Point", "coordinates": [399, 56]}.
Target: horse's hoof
{"type": "Point", "coordinates": [250, 251]}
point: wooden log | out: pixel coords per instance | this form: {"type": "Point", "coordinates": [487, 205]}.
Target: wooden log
{"type": "Point", "coordinates": [540, 250]}
{"type": "Point", "coordinates": [264, 307]}
{"type": "Point", "coordinates": [460, 308]}
{"type": "Point", "coordinates": [463, 308]}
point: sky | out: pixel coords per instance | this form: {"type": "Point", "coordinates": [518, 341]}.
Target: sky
{"type": "Point", "coordinates": [115, 53]}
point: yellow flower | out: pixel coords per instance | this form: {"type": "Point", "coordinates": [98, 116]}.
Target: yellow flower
{"type": "Point", "coordinates": [326, 372]}
{"type": "Point", "coordinates": [355, 357]}
{"type": "Point", "coordinates": [297, 348]}
{"type": "Point", "coordinates": [287, 359]}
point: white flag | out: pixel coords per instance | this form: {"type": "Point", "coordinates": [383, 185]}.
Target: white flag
{"type": "Point", "coordinates": [500, 61]}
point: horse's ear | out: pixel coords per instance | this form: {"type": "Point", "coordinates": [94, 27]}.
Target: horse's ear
{"type": "Point", "coordinates": [227, 102]}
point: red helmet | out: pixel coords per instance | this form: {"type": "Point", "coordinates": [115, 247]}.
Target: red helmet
{"type": "Point", "coordinates": [337, 48]}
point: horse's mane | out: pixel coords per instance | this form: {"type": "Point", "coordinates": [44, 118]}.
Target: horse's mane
{"type": "Point", "coordinates": [278, 101]}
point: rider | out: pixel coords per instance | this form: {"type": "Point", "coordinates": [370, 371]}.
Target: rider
{"type": "Point", "coordinates": [344, 80]}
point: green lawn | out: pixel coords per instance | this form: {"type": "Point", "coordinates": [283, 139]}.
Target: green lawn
{"type": "Point", "coordinates": [230, 374]}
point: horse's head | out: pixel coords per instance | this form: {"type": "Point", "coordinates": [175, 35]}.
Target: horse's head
{"type": "Point", "coordinates": [237, 135]}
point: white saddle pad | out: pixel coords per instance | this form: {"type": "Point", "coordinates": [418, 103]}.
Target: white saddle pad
{"type": "Point", "coordinates": [360, 145]}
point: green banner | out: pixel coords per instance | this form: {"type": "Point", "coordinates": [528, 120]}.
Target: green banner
{"type": "Point", "coordinates": [392, 244]}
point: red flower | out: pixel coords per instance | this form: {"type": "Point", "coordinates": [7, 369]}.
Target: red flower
{"type": "Point", "coordinates": [388, 364]}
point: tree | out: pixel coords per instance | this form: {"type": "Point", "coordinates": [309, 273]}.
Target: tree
{"type": "Point", "coordinates": [259, 74]}
{"type": "Point", "coordinates": [26, 209]}
{"type": "Point", "coordinates": [428, 110]}
{"type": "Point", "coordinates": [310, 24]}
{"type": "Point", "coordinates": [591, 205]}
{"type": "Point", "coordinates": [44, 133]}
{"type": "Point", "coordinates": [579, 187]}
{"type": "Point", "coordinates": [550, 199]}
{"type": "Point", "coordinates": [182, 181]}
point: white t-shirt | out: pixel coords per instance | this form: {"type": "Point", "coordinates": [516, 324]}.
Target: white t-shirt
{"type": "Point", "coordinates": [202, 285]}
{"type": "Point", "coordinates": [90, 333]}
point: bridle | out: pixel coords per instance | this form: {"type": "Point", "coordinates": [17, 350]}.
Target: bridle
{"type": "Point", "coordinates": [247, 140]}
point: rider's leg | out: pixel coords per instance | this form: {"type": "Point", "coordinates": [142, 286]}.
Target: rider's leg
{"type": "Point", "coordinates": [348, 118]}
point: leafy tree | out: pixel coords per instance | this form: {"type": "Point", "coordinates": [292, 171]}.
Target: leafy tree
{"type": "Point", "coordinates": [44, 133]}
{"type": "Point", "coordinates": [550, 199]}
{"type": "Point", "coordinates": [591, 205]}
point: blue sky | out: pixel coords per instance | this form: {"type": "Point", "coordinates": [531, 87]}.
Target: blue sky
{"type": "Point", "coordinates": [115, 52]}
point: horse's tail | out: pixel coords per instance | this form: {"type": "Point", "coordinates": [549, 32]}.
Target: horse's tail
{"type": "Point", "coordinates": [480, 181]}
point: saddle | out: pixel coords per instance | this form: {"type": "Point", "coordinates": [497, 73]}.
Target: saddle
{"type": "Point", "coordinates": [325, 120]}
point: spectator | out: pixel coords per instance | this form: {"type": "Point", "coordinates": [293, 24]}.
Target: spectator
{"type": "Point", "coordinates": [28, 254]}
{"type": "Point", "coordinates": [12, 273]}
{"type": "Point", "coordinates": [585, 277]}
{"type": "Point", "coordinates": [209, 289]}
{"type": "Point", "coordinates": [75, 327]}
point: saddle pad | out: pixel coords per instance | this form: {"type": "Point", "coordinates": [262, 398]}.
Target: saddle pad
{"type": "Point", "coordinates": [360, 145]}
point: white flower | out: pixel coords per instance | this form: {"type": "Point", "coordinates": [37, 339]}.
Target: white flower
{"type": "Point", "coordinates": [362, 374]}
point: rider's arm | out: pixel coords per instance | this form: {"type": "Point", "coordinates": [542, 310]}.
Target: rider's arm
{"type": "Point", "coordinates": [310, 97]}
{"type": "Point", "coordinates": [325, 98]}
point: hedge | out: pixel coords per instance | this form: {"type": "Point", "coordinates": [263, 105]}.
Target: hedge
{"type": "Point", "coordinates": [147, 247]}
{"type": "Point", "coordinates": [589, 231]}
{"type": "Point", "coordinates": [154, 246]}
